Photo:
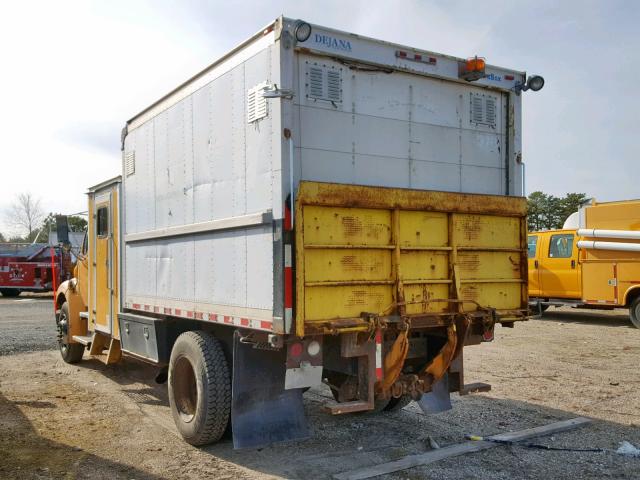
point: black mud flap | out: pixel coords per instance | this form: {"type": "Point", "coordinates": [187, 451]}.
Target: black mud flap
{"type": "Point", "coordinates": [438, 399]}
{"type": "Point", "coordinates": [262, 411]}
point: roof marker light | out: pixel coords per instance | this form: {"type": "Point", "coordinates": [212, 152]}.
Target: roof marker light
{"type": "Point", "coordinates": [473, 69]}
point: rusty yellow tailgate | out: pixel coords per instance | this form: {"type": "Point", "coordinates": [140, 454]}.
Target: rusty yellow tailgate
{"type": "Point", "coordinates": [373, 251]}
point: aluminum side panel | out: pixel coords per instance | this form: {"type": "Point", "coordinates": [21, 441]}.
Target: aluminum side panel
{"type": "Point", "coordinates": [199, 161]}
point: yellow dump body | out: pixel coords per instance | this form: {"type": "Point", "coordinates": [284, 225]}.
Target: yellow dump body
{"type": "Point", "coordinates": [364, 252]}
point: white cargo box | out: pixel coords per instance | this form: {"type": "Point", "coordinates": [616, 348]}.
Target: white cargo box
{"type": "Point", "coordinates": [207, 168]}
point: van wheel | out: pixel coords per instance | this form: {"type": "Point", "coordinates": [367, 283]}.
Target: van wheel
{"type": "Point", "coordinates": [199, 388]}
{"type": "Point", "coordinates": [634, 312]}
{"type": "Point", "coordinates": [71, 352]}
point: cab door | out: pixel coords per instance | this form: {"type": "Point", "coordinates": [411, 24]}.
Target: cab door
{"type": "Point", "coordinates": [103, 264]}
{"type": "Point", "coordinates": [533, 247]}
{"type": "Point", "coordinates": [559, 271]}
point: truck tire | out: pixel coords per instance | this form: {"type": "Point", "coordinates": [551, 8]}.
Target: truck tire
{"type": "Point", "coordinates": [634, 312]}
{"type": "Point", "coordinates": [10, 292]}
{"type": "Point", "coordinates": [70, 352]}
{"type": "Point", "coordinates": [199, 388]}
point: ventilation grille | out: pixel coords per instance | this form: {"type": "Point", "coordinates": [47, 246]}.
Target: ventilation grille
{"type": "Point", "coordinates": [324, 82]}
{"type": "Point", "coordinates": [256, 103]}
{"type": "Point", "coordinates": [129, 163]}
{"type": "Point", "coordinates": [483, 109]}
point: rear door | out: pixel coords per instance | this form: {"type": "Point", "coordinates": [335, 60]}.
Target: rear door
{"type": "Point", "coordinates": [558, 273]}
{"type": "Point", "coordinates": [534, 244]}
{"type": "Point", "coordinates": [399, 130]}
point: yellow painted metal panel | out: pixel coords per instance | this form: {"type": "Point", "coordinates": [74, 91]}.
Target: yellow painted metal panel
{"type": "Point", "coordinates": [347, 264]}
{"type": "Point", "coordinates": [423, 229]}
{"type": "Point", "coordinates": [487, 265]}
{"type": "Point", "coordinates": [424, 265]}
{"type": "Point", "coordinates": [624, 215]}
{"type": "Point", "coordinates": [424, 292]}
{"type": "Point", "coordinates": [376, 244]}
{"type": "Point", "coordinates": [323, 303]}
{"type": "Point", "coordinates": [115, 262]}
{"type": "Point", "coordinates": [486, 231]}
{"type": "Point", "coordinates": [628, 279]}
{"type": "Point", "coordinates": [346, 226]}
{"type": "Point", "coordinates": [502, 296]}
{"type": "Point", "coordinates": [599, 281]}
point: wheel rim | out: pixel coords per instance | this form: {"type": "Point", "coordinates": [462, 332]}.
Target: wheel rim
{"type": "Point", "coordinates": [62, 325]}
{"type": "Point", "coordinates": [185, 389]}
{"type": "Point", "coordinates": [637, 314]}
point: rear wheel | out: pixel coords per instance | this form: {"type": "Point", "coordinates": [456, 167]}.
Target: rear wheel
{"type": "Point", "coordinates": [10, 292]}
{"type": "Point", "coordinates": [634, 312]}
{"type": "Point", "coordinates": [71, 352]}
{"type": "Point", "coordinates": [199, 388]}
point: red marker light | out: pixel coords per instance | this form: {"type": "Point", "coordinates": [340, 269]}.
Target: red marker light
{"type": "Point", "coordinates": [295, 350]}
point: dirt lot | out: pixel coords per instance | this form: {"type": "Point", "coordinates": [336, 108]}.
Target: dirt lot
{"type": "Point", "coordinates": [93, 421]}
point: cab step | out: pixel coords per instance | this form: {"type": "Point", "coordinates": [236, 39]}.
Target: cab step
{"type": "Point", "coordinates": [83, 339]}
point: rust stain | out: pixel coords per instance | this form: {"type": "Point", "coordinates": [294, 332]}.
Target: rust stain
{"type": "Point", "coordinates": [469, 262]}
{"type": "Point", "coordinates": [470, 227]}
{"type": "Point", "coordinates": [357, 227]}
{"type": "Point", "coordinates": [364, 297]}
{"type": "Point", "coordinates": [353, 263]}
{"type": "Point", "coordinates": [469, 292]}
{"type": "Point", "coordinates": [382, 197]}
{"type": "Point", "coordinates": [351, 226]}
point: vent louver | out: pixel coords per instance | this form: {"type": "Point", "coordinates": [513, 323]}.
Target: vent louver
{"type": "Point", "coordinates": [256, 104]}
{"type": "Point", "coordinates": [129, 163]}
{"type": "Point", "coordinates": [483, 109]}
{"type": "Point", "coordinates": [324, 82]}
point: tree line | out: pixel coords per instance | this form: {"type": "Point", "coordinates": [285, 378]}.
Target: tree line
{"type": "Point", "coordinates": [27, 216]}
{"type": "Point", "coordinates": [548, 212]}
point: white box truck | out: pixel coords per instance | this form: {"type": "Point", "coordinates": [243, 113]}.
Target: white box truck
{"type": "Point", "coordinates": [314, 207]}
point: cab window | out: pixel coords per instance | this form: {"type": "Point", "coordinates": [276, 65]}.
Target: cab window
{"type": "Point", "coordinates": [532, 244]}
{"type": "Point", "coordinates": [102, 222]}
{"type": "Point", "coordinates": [561, 246]}
{"type": "Point", "coordinates": [85, 244]}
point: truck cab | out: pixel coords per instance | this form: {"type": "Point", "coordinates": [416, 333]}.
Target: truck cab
{"type": "Point", "coordinates": [554, 265]}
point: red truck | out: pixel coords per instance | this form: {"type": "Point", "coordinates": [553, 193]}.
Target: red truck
{"type": "Point", "coordinates": [36, 267]}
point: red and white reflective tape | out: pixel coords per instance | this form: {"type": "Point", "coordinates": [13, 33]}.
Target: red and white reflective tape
{"type": "Point", "coordinates": [253, 323]}
{"type": "Point", "coordinates": [288, 285]}
{"type": "Point", "coordinates": [416, 57]}
{"type": "Point", "coordinates": [378, 355]}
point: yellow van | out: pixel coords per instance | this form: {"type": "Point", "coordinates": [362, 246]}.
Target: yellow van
{"type": "Point", "coordinates": [597, 266]}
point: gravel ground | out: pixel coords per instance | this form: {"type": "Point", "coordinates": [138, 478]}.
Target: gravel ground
{"type": "Point", "coordinates": [27, 323]}
{"type": "Point", "coordinates": [93, 421]}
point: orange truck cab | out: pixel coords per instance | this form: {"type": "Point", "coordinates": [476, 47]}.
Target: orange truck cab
{"type": "Point", "coordinates": [594, 266]}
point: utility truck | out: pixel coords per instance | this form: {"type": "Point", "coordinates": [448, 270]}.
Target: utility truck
{"type": "Point", "coordinates": [314, 207]}
{"type": "Point", "coordinates": [593, 262]}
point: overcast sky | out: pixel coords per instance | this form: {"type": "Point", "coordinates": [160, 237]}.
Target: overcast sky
{"type": "Point", "coordinates": [74, 72]}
